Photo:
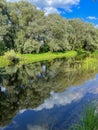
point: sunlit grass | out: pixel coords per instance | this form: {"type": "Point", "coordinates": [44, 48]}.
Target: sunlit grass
{"type": "Point", "coordinates": [90, 62]}
{"type": "Point", "coordinates": [31, 58]}
{"type": "Point", "coordinates": [4, 62]}
{"type": "Point", "coordinates": [28, 58]}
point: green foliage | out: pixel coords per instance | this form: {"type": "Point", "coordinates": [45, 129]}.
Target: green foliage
{"type": "Point", "coordinates": [31, 46]}
{"type": "Point", "coordinates": [27, 30]}
{"type": "Point", "coordinates": [2, 48]}
{"type": "Point", "coordinates": [89, 120]}
{"type": "Point", "coordinates": [85, 35]}
{"type": "Point", "coordinates": [11, 56]}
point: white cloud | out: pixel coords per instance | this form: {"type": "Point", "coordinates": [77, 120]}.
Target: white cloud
{"type": "Point", "coordinates": [92, 18]}
{"type": "Point", "coordinates": [51, 6]}
{"type": "Point", "coordinates": [22, 111]}
{"type": "Point", "coordinates": [61, 99]}
{"type": "Point", "coordinates": [96, 26]}
{"type": "Point", "coordinates": [51, 10]}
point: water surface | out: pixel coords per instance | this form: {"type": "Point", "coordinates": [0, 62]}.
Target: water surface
{"type": "Point", "coordinates": [45, 95]}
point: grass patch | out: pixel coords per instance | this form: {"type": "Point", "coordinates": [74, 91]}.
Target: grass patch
{"type": "Point", "coordinates": [90, 62]}
{"type": "Point", "coordinates": [4, 62]}
{"type": "Point", "coordinates": [31, 58]}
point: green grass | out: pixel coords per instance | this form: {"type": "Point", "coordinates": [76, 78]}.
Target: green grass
{"type": "Point", "coordinates": [88, 62]}
{"type": "Point", "coordinates": [47, 56]}
{"type": "Point", "coordinates": [89, 121]}
{"type": "Point", "coordinates": [3, 62]}
{"type": "Point", "coordinates": [31, 58]}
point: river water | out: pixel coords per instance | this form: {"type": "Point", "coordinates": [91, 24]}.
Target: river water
{"type": "Point", "coordinates": [45, 95]}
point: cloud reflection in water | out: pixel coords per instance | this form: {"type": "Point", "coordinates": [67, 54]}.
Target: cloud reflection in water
{"type": "Point", "coordinates": [69, 95]}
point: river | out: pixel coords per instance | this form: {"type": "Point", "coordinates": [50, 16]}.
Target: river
{"type": "Point", "coordinates": [45, 95]}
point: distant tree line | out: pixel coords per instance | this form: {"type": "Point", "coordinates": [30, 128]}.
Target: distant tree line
{"type": "Point", "coordinates": [26, 29]}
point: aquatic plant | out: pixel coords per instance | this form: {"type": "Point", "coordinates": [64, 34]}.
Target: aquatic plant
{"type": "Point", "coordinates": [89, 121]}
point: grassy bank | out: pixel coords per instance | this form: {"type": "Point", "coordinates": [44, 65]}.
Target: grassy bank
{"type": "Point", "coordinates": [89, 61]}
{"type": "Point", "coordinates": [31, 58]}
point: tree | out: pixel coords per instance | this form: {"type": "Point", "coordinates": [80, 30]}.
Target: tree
{"type": "Point", "coordinates": [85, 35]}
{"type": "Point", "coordinates": [31, 46]}
{"type": "Point", "coordinates": [56, 32]}
{"type": "Point", "coordinates": [26, 29]}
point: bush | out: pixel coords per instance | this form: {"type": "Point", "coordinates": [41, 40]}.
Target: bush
{"type": "Point", "coordinates": [11, 56]}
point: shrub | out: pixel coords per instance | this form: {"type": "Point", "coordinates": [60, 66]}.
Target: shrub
{"type": "Point", "coordinates": [12, 56]}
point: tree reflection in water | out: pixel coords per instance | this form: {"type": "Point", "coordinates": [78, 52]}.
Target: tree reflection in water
{"type": "Point", "coordinates": [26, 86]}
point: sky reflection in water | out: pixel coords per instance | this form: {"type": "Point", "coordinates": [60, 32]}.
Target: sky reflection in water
{"type": "Point", "coordinates": [57, 111]}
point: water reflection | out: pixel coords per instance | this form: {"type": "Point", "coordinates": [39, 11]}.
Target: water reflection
{"type": "Point", "coordinates": [69, 95]}
{"type": "Point", "coordinates": [58, 111]}
{"type": "Point", "coordinates": [41, 87]}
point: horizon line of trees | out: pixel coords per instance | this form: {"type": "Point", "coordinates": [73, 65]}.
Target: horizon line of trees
{"type": "Point", "coordinates": [27, 30]}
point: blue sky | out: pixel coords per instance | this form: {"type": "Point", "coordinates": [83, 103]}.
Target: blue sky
{"type": "Point", "coordinates": [84, 9]}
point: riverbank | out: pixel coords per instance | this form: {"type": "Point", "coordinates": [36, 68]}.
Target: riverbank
{"type": "Point", "coordinates": [90, 60]}
{"type": "Point", "coordinates": [31, 58]}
